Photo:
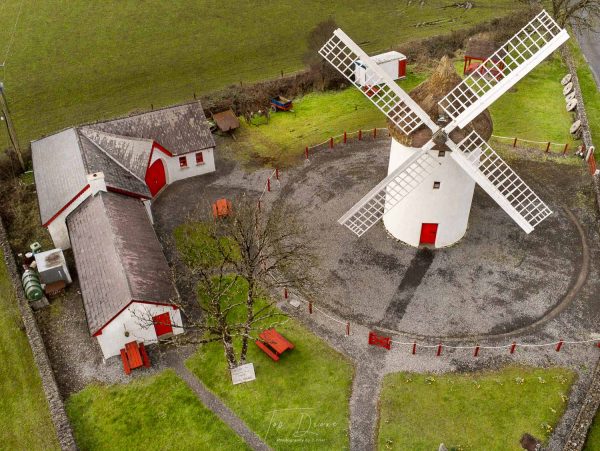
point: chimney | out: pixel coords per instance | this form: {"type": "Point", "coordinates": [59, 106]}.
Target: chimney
{"type": "Point", "coordinates": [96, 181]}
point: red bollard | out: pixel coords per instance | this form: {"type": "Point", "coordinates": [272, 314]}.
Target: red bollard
{"type": "Point", "coordinates": [559, 345]}
{"type": "Point", "coordinates": [375, 133]}
{"type": "Point", "coordinates": [285, 293]}
{"type": "Point", "coordinates": [414, 349]}
{"type": "Point", "coordinates": [476, 353]}
{"type": "Point", "coordinates": [359, 135]}
{"type": "Point", "coordinates": [259, 205]}
{"type": "Point", "coordinates": [348, 328]}
{"type": "Point", "coordinates": [566, 148]}
{"type": "Point", "coordinates": [277, 173]}
{"type": "Point", "coordinates": [331, 143]}
{"type": "Point", "coordinates": [439, 350]}
{"type": "Point", "coordinates": [269, 184]}
{"type": "Point", "coordinates": [306, 152]}
{"type": "Point", "coordinates": [513, 347]}
{"type": "Point", "coordinates": [310, 307]}
{"type": "Point", "coordinates": [345, 138]}
{"type": "Point", "coordinates": [548, 147]}
{"type": "Point", "coordinates": [515, 143]}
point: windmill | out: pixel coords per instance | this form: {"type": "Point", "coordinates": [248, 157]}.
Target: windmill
{"type": "Point", "coordinates": [426, 197]}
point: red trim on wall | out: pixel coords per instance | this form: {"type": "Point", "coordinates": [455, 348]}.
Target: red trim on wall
{"type": "Point", "coordinates": [162, 149]}
{"type": "Point", "coordinates": [166, 304]}
{"type": "Point", "coordinates": [126, 193]}
{"type": "Point", "coordinates": [67, 205]}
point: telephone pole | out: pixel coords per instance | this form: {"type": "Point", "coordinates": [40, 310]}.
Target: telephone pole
{"type": "Point", "coordinates": [10, 127]}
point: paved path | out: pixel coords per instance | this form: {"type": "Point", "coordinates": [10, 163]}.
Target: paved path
{"type": "Point", "coordinates": [590, 45]}
{"type": "Point", "coordinates": [363, 405]}
{"type": "Point", "coordinates": [175, 361]}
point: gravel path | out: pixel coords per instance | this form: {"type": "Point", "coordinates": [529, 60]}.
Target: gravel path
{"type": "Point", "coordinates": [176, 361]}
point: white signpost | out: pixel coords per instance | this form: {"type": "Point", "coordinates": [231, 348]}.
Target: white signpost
{"type": "Point", "coordinates": [243, 373]}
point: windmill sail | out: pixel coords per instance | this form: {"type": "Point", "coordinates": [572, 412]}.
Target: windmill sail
{"type": "Point", "coordinates": [497, 179]}
{"type": "Point", "coordinates": [389, 192]}
{"type": "Point", "coordinates": [343, 53]}
{"type": "Point", "coordinates": [496, 75]}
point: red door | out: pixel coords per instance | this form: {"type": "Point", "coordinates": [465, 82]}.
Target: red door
{"type": "Point", "coordinates": [162, 324]}
{"type": "Point", "coordinates": [401, 68]}
{"type": "Point", "coordinates": [428, 233]}
{"type": "Point", "coordinates": [155, 177]}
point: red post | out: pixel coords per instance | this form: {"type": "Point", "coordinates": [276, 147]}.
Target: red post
{"type": "Point", "coordinates": [306, 152]}
{"type": "Point", "coordinates": [310, 307]}
{"type": "Point", "coordinates": [566, 148]}
{"type": "Point", "coordinates": [513, 347]}
{"type": "Point", "coordinates": [548, 147]}
{"type": "Point", "coordinates": [277, 173]}
{"type": "Point", "coordinates": [414, 349]}
{"type": "Point", "coordinates": [375, 133]}
{"type": "Point", "coordinates": [259, 205]}
{"type": "Point", "coordinates": [559, 345]}
{"type": "Point", "coordinates": [269, 184]}
{"type": "Point", "coordinates": [476, 353]}
{"type": "Point", "coordinates": [331, 143]}
{"type": "Point", "coordinates": [439, 350]}
{"type": "Point", "coordinates": [345, 137]}
{"type": "Point", "coordinates": [515, 143]}
{"type": "Point", "coordinates": [348, 328]}
{"type": "Point", "coordinates": [285, 293]}
{"type": "Point", "coordinates": [359, 135]}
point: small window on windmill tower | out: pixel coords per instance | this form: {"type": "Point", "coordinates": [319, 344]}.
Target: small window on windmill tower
{"type": "Point", "coordinates": [436, 185]}
{"type": "Point", "coordinates": [441, 153]}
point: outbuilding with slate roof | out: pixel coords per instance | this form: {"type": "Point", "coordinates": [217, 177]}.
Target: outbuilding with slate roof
{"type": "Point", "coordinates": [126, 284]}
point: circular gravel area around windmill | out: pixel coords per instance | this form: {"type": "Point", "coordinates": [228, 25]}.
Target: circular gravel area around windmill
{"type": "Point", "coordinates": [496, 280]}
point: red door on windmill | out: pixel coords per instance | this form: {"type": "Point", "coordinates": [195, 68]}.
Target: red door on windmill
{"type": "Point", "coordinates": [428, 234]}
{"type": "Point", "coordinates": [156, 177]}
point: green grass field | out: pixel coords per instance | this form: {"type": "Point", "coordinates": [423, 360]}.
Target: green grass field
{"type": "Point", "coordinates": [26, 422]}
{"type": "Point", "coordinates": [488, 410]}
{"type": "Point", "coordinates": [152, 413]}
{"type": "Point", "coordinates": [78, 61]}
{"type": "Point", "coordinates": [593, 438]}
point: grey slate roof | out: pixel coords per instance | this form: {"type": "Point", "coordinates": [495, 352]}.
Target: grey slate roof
{"type": "Point", "coordinates": [179, 129]}
{"type": "Point", "coordinates": [118, 257]}
{"type": "Point", "coordinates": [132, 153]}
{"type": "Point", "coordinates": [59, 171]}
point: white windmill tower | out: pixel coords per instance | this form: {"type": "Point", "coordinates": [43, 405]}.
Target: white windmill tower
{"type": "Point", "coordinates": [440, 176]}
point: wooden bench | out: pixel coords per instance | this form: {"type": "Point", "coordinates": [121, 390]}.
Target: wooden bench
{"type": "Point", "coordinates": [134, 355]}
{"type": "Point", "coordinates": [273, 343]}
{"type": "Point", "coordinates": [267, 350]}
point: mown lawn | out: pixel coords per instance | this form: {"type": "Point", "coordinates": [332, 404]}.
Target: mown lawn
{"type": "Point", "coordinates": [26, 422]}
{"type": "Point", "coordinates": [593, 438]}
{"type": "Point", "coordinates": [489, 410]}
{"type": "Point", "coordinates": [152, 413]}
{"type": "Point", "coordinates": [79, 61]}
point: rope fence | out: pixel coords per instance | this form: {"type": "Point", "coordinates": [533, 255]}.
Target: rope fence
{"type": "Point", "coordinates": [544, 146]}
{"type": "Point", "coordinates": [345, 137]}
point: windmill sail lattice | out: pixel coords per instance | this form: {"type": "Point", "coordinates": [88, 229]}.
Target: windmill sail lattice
{"type": "Point", "coordinates": [496, 75]}
{"type": "Point", "coordinates": [343, 53]}
{"type": "Point", "coordinates": [491, 172]}
{"type": "Point", "coordinates": [389, 192]}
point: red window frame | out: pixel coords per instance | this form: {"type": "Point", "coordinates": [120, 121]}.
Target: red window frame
{"type": "Point", "coordinates": [183, 162]}
{"type": "Point", "coordinates": [199, 158]}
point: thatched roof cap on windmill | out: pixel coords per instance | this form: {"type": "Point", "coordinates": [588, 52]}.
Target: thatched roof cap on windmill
{"type": "Point", "coordinates": [481, 46]}
{"type": "Point", "coordinates": [427, 95]}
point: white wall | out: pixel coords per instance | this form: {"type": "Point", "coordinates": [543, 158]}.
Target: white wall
{"type": "Point", "coordinates": [361, 73]}
{"type": "Point", "coordinates": [449, 206]}
{"type": "Point", "coordinates": [174, 172]}
{"type": "Point", "coordinates": [113, 338]}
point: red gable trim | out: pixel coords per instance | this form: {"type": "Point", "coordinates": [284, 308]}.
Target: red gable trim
{"type": "Point", "coordinates": [166, 304]}
{"type": "Point", "coordinates": [157, 146]}
{"type": "Point", "coordinates": [126, 193]}
{"type": "Point", "coordinates": [67, 205]}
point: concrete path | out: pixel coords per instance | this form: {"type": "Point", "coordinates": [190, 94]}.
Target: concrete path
{"type": "Point", "coordinates": [175, 361]}
{"type": "Point", "coordinates": [363, 405]}
{"type": "Point", "coordinates": [590, 46]}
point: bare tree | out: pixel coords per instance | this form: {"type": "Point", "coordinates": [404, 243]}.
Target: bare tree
{"type": "Point", "coordinates": [584, 15]}
{"type": "Point", "coordinates": [236, 263]}
{"type": "Point", "coordinates": [321, 71]}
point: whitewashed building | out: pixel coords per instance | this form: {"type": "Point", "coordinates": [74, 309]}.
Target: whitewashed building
{"type": "Point", "coordinates": [393, 63]}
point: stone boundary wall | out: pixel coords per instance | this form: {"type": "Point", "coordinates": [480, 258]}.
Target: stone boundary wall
{"type": "Point", "coordinates": [55, 401]}
{"type": "Point", "coordinates": [578, 434]}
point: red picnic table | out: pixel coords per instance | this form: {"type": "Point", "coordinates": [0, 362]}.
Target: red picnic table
{"type": "Point", "coordinates": [273, 343]}
{"type": "Point", "coordinates": [134, 355]}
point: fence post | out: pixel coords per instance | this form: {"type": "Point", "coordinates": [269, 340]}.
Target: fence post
{"type": "Point", "coordinates": [359, 135]}
{"type": "Point", "coordinates": [513, 347]}
{"type": "Point", "coordinates": [348, 328]}
{"type": "Point", "coordinates": [345, 137]}
{"type": "Point", "coordinates": [285, 292]}
{"type": "Point", "coordinates": [310, 307]}
{"type": "Point", "coordinates": [515, 143]}
{"type": "Point", "coordinates": [439, 350]}
{"type": "Point", "coordinates": [306, 152]}
{"type": "Point", "coordinates": [548, 147]}
{"type": "Point", "coordinates": [414, 349]}
{"type": "Point", "coordinates": [259, 205]}
{"type": "Point", "coordinates": [269, 184]}
{"type": "Point", "coordinates": [375, 133]}
{"type": "Point", "coordinates": [331, 142]}
{"type": "Point", "coordinates": [559, 345]}
{"type": "Point", "coordinates": [476, 353]}
{"type": "Point", "coordinates": [566, 148]}
{"type": "Point", "coordinates": [277, 173]}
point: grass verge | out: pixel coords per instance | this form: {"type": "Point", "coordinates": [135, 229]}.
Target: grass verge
{"type": "Point", "coordinates": [593, 439]}
{"type": "Point", "coordinates": [152, 413]}
{"type": "Point", "coordinates": [489, 410]}
{"type": "Point", "coordinates": [26, 422]}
